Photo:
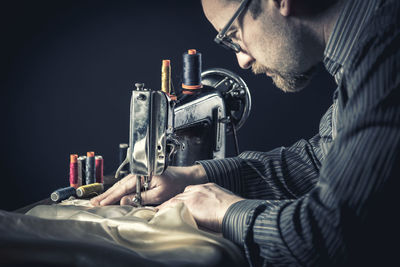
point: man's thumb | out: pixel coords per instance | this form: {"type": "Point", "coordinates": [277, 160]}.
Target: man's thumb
{"type": "Point", "coordinates": [152, 196]}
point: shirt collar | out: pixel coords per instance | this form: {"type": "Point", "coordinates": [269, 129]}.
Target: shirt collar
{"type": "Point", "coordinates": [346, 31]}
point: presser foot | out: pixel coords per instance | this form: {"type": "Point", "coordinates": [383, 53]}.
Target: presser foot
{"type": "Point", "coordinates": [137, 201]}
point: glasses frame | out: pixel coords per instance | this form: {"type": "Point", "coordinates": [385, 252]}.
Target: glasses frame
{"type": "Point", "coordinates": [225, 41]}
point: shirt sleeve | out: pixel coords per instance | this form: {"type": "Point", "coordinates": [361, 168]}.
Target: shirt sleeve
{"type": "Point", "coordinates": [286, 172]}
{"type": "Point", "coordinates": [350, 215]}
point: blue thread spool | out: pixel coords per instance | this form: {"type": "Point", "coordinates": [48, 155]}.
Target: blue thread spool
{"type": "Point", "coordinates": [81, 170]}
{"type": "Point", "coordinates": [62, 193]}
{"type": "Point", "coordinates": [191, 80]}
{"type": "Point", "coordinates": [90, 168]}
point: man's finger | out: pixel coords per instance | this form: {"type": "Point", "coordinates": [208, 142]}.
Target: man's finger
{"type": "Point", "coordinates": [197, 187]}
{"type": "Point", "coordinates": [188, 188]}
{"type": "Point", "coordinates": [120, 191]}
{"type": "Point", "coordinates": [148, 197]}
{"type": "Point", "coordinates": [178, 198]}
{"type": "Point", "coordinates": [152, 196]}
{"type": "Point", "coordinates": [165, 204]}
{"type": "Point", "coordinates": [96, 200]}
{"type": "Point", "coordinates": [127, 200]}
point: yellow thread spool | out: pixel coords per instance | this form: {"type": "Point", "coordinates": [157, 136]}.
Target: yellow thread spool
{"type": "Point", "coordinates": [166, 76]}
{"type": "Point", "coordinates": [89, 190]}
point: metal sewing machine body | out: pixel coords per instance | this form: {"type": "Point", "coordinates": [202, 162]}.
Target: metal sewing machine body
{"type": "Point", "coordinates": [178, 133]}
{"type": "Point", "coordinates": [200, 129]}
{"type": "Point", "coordinates": [150, 125]}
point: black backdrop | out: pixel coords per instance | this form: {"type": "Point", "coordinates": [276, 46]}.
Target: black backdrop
{"type": "Point", "coordinates": [67, 69]}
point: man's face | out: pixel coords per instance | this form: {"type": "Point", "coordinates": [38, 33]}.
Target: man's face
{"type": "Point", "coordinates": [279, 46]}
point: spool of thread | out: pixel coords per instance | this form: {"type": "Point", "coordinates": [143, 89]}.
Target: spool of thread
{"type": "Point", "coordinates": [73, 170]}
{"type": "Point", "coordinates": [99, 165]}
{"type": "Point", "coordinates": [166, 76]}
{"type": "Point", "coordinates": [89, 190]}
{"type": "Point", "coordinates": [191, 72]}
{"type": "Point", "coordinates": [63, 193]}
{"type": "Point", "coordinates": [81, 170]}
{"type": "Point", "coordinates": [90, 168]}
{"type": "Point", "coordinates": [166, 79]}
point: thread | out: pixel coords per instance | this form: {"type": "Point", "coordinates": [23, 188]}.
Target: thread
{"type": "Point", "coordinates": [81, 170]}
{"type": "Point", "coordinates": [62, 193]}
{"type": "Point", "coordinates": [191, 80]}
{"type": "Point", "coordinates": [166, 76]}
{"type": "Point", "coordinates": [90, 168]}
{"type": "Point", "coordinates": [89, 190]}
{"type": "Point", "coordinates": [166, 83]}
{"type": "Point", "coordinates": [99, 165]}
{"type": "Point", "coordinates": [73, 170]}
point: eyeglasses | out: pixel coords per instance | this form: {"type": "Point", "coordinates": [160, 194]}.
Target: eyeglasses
{"type": "Point", "coordinates": [225, 41]}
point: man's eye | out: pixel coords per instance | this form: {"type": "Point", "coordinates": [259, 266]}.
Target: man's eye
{"type": "Point", "coordinates": [232, 35]}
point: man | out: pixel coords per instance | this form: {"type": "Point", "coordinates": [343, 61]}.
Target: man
{"type": "Point", "coordinates": [326, 201]}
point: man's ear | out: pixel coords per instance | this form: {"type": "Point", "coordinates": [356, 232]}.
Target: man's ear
{"type": "Point", "coordinates": [284, 6]}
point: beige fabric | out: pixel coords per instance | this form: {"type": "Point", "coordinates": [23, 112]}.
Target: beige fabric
{"type": "Point", "coordinates": [167, 235]}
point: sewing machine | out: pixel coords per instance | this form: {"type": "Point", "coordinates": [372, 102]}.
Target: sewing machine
{"type": "Point", "coordinates": [166, 132]}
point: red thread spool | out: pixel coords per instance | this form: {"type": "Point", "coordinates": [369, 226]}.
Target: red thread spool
{"type": "Point", "coordinates": [73, 170]}
{"type": "Point", "coordinates": [99, 165]}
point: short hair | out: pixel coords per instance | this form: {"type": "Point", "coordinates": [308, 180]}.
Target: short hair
{"type": "Point", "coordinates": [254, 7]}
{"type": "Point", "coordinates": [314, 6]}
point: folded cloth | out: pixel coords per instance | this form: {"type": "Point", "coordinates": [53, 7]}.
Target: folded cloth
{"type": "Point", "coordinates": [74, 232]}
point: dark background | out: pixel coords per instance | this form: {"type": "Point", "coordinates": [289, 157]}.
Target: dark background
{"type": "Point", "coordinates": [67, 70]}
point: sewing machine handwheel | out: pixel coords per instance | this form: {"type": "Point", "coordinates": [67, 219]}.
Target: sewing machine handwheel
{"type": "Point", "coordinates": [235, 92]}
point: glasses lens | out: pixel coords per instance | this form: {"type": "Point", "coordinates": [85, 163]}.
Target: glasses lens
{"type": "Point", "coordinates": [227, 43]}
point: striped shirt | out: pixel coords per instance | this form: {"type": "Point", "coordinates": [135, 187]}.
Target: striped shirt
{"type": "Point", "coordinates": [331, 200]}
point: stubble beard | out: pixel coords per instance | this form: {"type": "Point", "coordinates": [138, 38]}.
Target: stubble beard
{"type": "Point", "coordinates": [287, 82]}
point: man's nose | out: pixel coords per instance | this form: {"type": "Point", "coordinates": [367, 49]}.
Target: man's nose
{"type": "Point", "coordinates": [245, 60]}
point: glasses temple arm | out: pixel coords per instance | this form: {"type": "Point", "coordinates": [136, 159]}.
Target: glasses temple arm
{"type": "Point", "coordinates": [237, 13]}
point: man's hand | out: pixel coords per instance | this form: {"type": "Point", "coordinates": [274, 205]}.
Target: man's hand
{"type": "Point", "coordinates": [208, 204]}
{"type": "Point", "coordinates": [161, 188]}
